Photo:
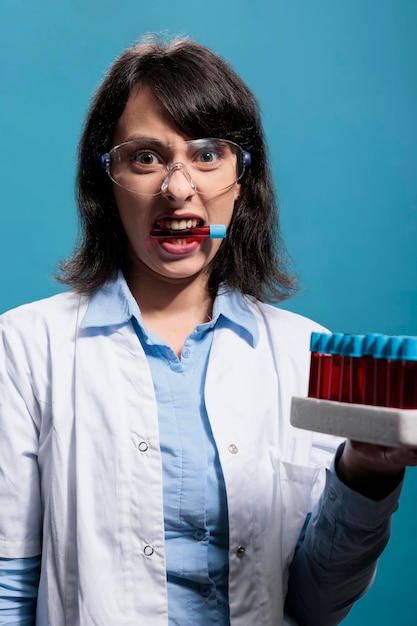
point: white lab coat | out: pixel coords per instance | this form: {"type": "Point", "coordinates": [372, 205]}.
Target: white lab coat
{"type": "Point", "coordinates": [80, 407]}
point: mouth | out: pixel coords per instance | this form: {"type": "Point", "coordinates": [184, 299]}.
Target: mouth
{"type": "Point", "coordinates": [185, 231]}
{"type": "Point", "coordinates": [176, 229]}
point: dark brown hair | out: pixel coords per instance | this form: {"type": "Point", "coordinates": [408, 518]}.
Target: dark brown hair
{"type": "Point", "coordinates": [204, 97]}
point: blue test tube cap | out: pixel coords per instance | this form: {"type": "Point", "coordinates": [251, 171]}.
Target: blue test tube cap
{"type": "Point", "coordinates": [352, 345]}
{"type": "Point", "coordinates": [345, 344]}
{"type": "Point", "coordinates": [368, 343]}
{"type": "Point", "coordinates": [336, 343]}
{"type": "Point", "coordinates": [356, 344]}
{"type": "Point", "coordinates": [315, 341]}
{"type": "Point", "coordinates": [217, 231]}
{"type": "Point", "coordinates": [392, 347]}
{"type": "Point", "coordinates": [319, 342]}
{"type": "Point", "coordinates": [378, 347]}
{"type": "Point", "coordinates": [325, 342]}
{"type": "Point", "coordinates": [408, 350]}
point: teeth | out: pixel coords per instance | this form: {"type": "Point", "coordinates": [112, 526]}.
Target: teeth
{"type": "Point", "coordinates": [178, 224]}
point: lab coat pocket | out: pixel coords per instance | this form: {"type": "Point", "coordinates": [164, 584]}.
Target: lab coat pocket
{"type": "Point", "coordinates": [297, 483]}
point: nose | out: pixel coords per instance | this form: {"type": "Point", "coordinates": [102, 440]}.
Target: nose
{"type": "Point", "coordinates": [178, 183]}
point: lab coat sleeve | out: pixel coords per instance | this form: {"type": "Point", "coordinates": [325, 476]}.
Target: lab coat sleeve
{"type": "Point", "coordinates": [336, 561]}
{"type": "Point", "coordinates": [20, 501]}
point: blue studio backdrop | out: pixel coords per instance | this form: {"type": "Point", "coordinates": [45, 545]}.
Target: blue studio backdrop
{"type": "Point", "coordinates": [337, 85]}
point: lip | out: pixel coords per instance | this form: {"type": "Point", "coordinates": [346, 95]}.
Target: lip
{"type": "Point", "coordinates": [174, 248]}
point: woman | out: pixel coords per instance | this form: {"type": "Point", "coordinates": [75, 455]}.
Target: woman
{"type": "Point", "coordinates": [149, 470]}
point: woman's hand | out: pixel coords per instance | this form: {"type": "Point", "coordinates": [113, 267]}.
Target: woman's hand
{"type": "Point", "coordinates": [373, 470]}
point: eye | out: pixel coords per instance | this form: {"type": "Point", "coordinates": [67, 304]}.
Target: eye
{"type": "Point", "coordinates": [208, 157]}
{"type": "Point", "coordinates": [145, 158]}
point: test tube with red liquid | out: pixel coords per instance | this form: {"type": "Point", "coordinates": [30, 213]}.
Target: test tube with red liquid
{"type": "Point", "coordinates": [408, 353]}
{"type": "Point", "coordinates": [364, 369]}
{"type": "Point", "coordinates": [320, 366]}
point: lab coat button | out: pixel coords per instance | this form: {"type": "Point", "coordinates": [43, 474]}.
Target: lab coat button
{"type": "Point", "coordinates": [240, 551]}
{"type": "Point", "coordinates": [148, 550]}
{"type": "Point", "coordinates": [143, 446]}
{"type": "Point", "coordinates": [205, 591]}
{"type": "Point", "coordinates": [233, 449]}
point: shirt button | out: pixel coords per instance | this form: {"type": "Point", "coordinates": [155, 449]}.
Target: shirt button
{"type": "Point", "coordinates": [199, 535]}
{"type": "Point", "coordinates": [205, 591]}
{"type": "Point", "coordinates": [148, 550]}
{"type": "Point", "coordinates": [240, 551]}
{"type": "Point", "coordinates": [186, 353]}
{"type": "Point", "coordinates": [233, 449]}
{"type": "Point", "coordinates": [143, 446]}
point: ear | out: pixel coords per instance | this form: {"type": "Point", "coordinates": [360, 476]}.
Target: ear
{"type": "Point", "coordinates": [237, 191]}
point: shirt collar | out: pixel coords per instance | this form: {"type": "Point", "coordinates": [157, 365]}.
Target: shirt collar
{"type": "Point", "coordinates": [232, 306]}
{"type": "Point", "coordinates": [113, 304]}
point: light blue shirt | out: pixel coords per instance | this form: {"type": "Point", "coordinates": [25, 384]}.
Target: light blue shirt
{"type": "Point", "coordinates": [195, 506]}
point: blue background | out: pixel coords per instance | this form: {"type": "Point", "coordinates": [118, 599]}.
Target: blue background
{"type": "Point", "coordinates": [337, 84]}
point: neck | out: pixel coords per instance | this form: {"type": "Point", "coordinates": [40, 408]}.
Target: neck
{"type": "Point", "coordinates": [171, 309]}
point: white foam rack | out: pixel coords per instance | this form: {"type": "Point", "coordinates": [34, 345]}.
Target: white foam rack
{"type": "Point", "coordinates": [371, 424]}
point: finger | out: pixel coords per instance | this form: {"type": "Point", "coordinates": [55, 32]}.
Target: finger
{"type": "Point", "coordinates": [401, 457]}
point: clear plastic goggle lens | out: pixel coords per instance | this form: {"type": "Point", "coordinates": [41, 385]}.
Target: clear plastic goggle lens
{"type": "Point", "coordinates": [146, 166]}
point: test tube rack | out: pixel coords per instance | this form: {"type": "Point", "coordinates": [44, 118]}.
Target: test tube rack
{"type": "Point", "coordinates": [361, 387]}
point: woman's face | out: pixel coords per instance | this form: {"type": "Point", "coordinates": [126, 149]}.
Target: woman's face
{"type": "Point", "coordinates": [174, 259]}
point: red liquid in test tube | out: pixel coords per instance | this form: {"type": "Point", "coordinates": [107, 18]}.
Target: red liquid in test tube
{"type": "Point", "coordinates": [394, 369]}
{"type": "Point", "coordinates": [351, 388]}
{"type": "Point", "coordinates": [325, 376]}
{"type": "Point", "coordinates": [369, 369]}
{"type": "Point", "coordinates": [380, 379]}
{"type": "Point", "coordinates": [320, 366]}
{"type": "Point", "coordinates": [408, 397]}
{"type": "Point", "coordinates": [313, 384]}
{"type": "Point", "coordinates": [214, 231]}
{"type": "Point", "coordinates": [345, 374]}
{"type": "Point", "coordinates": [325, 369]}
{"type": "Point", "coordinates": [409, 386]}
{"type": "Point", "coordinates": [357, 369]}
{"type": "Point", "coordinates": [336, 344]}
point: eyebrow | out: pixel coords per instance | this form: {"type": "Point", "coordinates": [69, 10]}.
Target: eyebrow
{"type": "Point", "coordinates": [158, 142]}
{"type": "Point", "coordinates": [144, 140]}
